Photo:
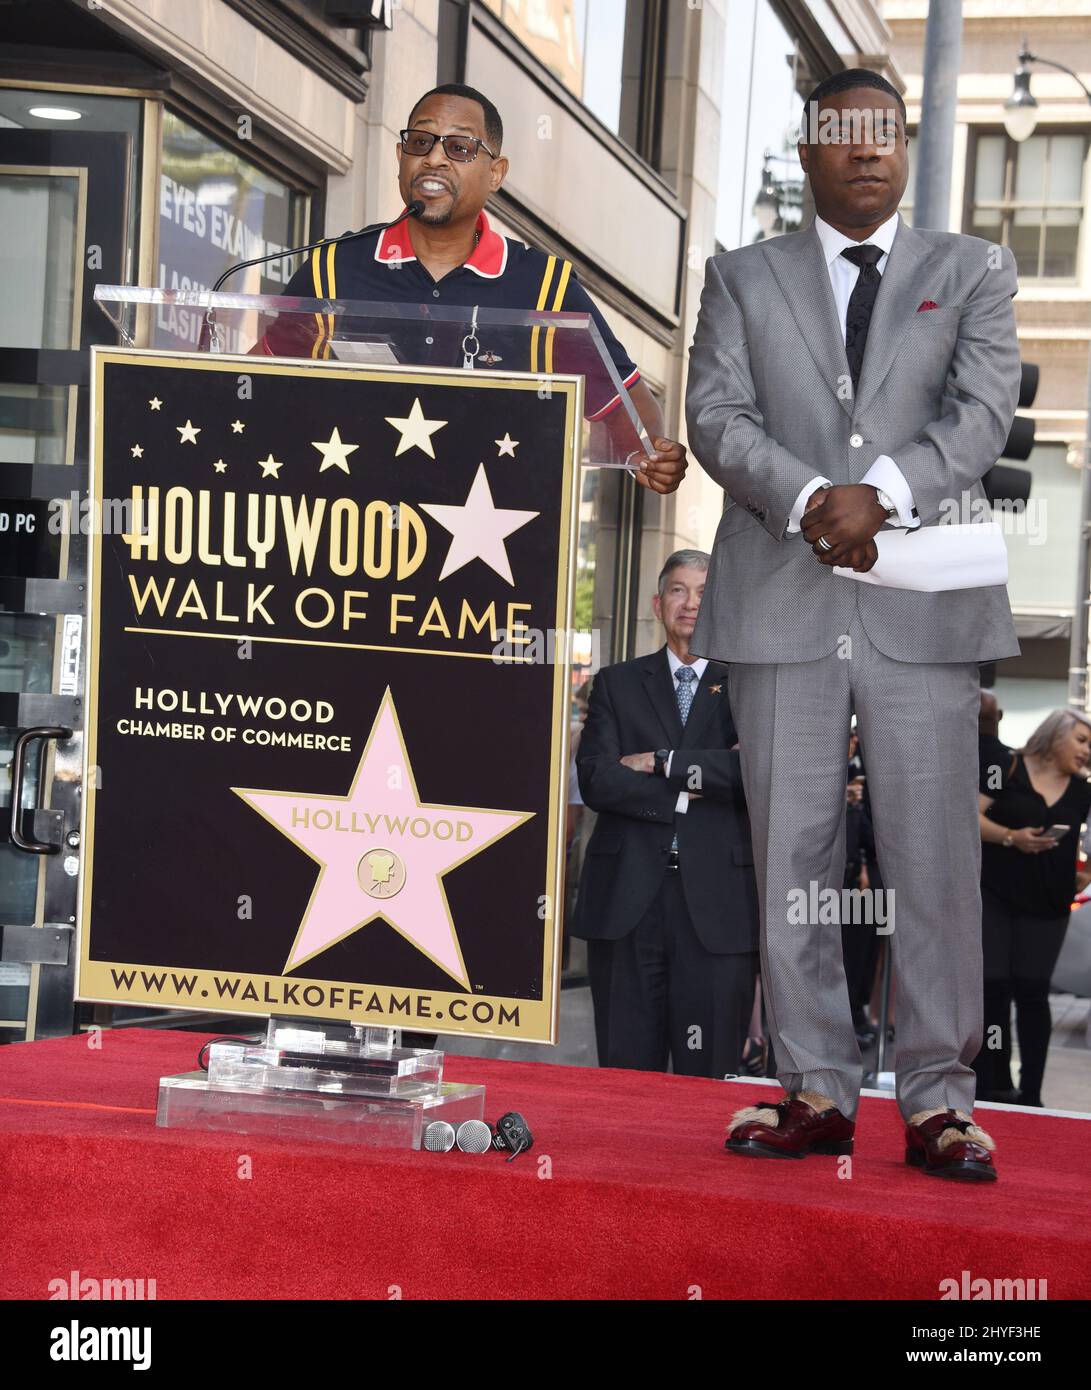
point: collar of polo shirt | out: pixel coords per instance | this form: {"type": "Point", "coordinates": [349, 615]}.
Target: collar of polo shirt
{"type": "Point", "coordinates": [488, 259]}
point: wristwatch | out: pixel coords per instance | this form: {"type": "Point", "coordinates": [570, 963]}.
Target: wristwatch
{"type": "Point", "coordinates": [1008, 840]}
{"type": "Point", "coordinates": [661, 755]}
{"type": "Point", "coordinates": [886, 502]}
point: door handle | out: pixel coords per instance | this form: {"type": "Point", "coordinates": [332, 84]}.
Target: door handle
{"type": "Point", "coordinates": [18, 773]}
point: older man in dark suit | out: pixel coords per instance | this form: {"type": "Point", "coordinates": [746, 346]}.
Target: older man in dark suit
{"type": "Point", "coordinates": [668, 902]}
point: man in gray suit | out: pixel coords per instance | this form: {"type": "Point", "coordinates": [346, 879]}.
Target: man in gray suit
{"type": "Point", "coordinates": [857, 375]}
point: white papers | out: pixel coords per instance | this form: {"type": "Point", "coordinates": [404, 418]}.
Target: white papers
{"type": "Point", "coordinates": [932, 559]}
{"type": "Point", "coordinates": [368, 352]}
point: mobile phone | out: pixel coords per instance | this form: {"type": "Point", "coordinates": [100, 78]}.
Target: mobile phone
{"type": "Point", "coordinates": [1057, 832]}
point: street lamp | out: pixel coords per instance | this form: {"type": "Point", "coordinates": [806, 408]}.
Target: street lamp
{"type": "Point", "coordinates": [1020, 118]}
{"type": "Point", "coordinates": [1021, 109]}
{"type": "Point", "coordinates": [777, 199]}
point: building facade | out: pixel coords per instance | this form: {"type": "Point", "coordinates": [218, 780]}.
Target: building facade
{"type": "Point", "coordinates": [1030, 195]}
{"type": "Point", "coordinates": [152, 142]}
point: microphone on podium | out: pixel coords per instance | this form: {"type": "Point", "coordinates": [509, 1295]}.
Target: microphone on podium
{"type": "Point", "coordinates": [415, 208]}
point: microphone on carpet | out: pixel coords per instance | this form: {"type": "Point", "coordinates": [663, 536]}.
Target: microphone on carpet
{"type": "Point", "coordinates": [474, 1137]}
{"type": "Point", "coordinates": [415, 208]}
{"type": "Point", "coordinates": [439, 1137]}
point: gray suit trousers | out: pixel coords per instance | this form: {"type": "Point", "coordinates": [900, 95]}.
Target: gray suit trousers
{"type": "Point", "coordinates": [918, 732]}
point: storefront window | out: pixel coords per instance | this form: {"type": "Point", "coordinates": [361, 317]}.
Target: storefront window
{"type": "Point", "coordinates": [607, 551]}
{"type": "Point", "coordinates": [761, 183]}
{"type": "Point", "coordinates": [217, 208]}
{"type": "Point", "coordinates": [43, 210]}
{"type": "Point", "coordinates": [69, 173]}
{"type": "Point", "coordinates": [40, 213]}
{"type": "Point", "coordinates": [593, 604]}
{"type": "Point", "coordinates": [596, 48]}
{"type": "Point", "coordinates": [26, 664]}
{"type": "Point", "coordinates": [605, 555]}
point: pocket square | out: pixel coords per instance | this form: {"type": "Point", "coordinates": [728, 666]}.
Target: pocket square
{"type": "Point", "coordinates": [926, 304]}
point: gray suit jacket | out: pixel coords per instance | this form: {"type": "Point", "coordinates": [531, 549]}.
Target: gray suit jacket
{"type": "Point", "coordinates": [770, 406]}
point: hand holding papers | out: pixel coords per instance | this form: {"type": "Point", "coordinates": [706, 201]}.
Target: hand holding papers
{"type": "Point", "coordinates": [932, 559]}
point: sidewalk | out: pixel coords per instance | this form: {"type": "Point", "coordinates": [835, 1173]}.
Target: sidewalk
{"type": "Point", "coordinates": [1068, 1071]}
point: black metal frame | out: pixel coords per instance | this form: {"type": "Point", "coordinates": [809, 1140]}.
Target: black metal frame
{"type": "Point", "coordinates": [106, 157]}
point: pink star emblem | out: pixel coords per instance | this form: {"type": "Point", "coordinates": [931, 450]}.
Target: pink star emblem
{"type": "Point", "coordinates": [383, 852]}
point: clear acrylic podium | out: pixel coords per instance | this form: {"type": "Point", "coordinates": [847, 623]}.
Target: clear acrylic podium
{"type": "Point", "coordinates": [502, 342]}
{"type": "Point", "coordinates": [312, 1079]}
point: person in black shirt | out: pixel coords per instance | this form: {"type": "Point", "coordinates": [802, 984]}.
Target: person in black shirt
{"type": "Point", "coordinates": [993, 753]}
{"type": "Point", "coordinates": [1028, 881]}
{"type": "Point", "coordinates": [449, 159]}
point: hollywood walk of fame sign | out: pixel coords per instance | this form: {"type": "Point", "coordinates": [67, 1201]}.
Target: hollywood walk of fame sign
{"type": "Point", "coordinates": [326, 751]}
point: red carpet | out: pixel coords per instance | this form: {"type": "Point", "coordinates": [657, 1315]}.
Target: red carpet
{"type": "Point", "coordinates": [642, 1201]}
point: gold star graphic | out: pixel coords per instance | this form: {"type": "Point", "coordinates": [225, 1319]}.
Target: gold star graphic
{"type": "Point", "coordinates": [416, 431]}
{"type": "Point", "coordinates": [137, 451]}
{"type": "Point", "coordinates": [237, 426]}
{"type": "Point", "coordinates": [334, 453]}
{"type": "Point", "coordinates": [189, 432]}
{"type": "Point", "coordinates": [270, 467]}
{"type": "Point", "coordinates": [507, 445]}
{"type": "Point", "coordinates": [155, 402]}
{"type": "Point", "coordinates": [220, 466]}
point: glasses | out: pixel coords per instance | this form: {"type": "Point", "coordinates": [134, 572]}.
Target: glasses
{"type": "Point", "coordinates": [461, 148]}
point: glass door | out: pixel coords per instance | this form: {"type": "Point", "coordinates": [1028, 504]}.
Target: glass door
{"type": "Point", "coordinates": [66, 224]}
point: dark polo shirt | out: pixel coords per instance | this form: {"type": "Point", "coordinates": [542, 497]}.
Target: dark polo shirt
{"type": "Point", "coordinates": [501, 273]}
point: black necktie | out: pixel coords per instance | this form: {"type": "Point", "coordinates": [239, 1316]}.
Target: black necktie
{"type": "Point", "coordinates": [858, 318]}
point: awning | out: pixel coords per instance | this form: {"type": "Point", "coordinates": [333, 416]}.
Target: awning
{"type": "Point", "coordinates": [1043, 625]}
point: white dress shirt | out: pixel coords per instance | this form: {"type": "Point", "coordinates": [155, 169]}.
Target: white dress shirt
{"type": "Point", "coordinates": [884, 472]}
{"type": "Point", "coordinates": [681, 806]}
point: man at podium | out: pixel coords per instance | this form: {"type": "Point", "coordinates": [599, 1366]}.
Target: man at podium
{"type": "Point", "coordinates": [449, 163]}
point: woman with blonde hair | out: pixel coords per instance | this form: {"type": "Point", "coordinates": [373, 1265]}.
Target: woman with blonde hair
{"type": "Point", "coordinates": [1032, 806]}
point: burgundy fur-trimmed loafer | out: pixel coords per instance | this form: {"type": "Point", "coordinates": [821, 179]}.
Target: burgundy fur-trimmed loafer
{"type": "Point", "coordinates": [947, 1144]}
{"type": "Point", "coordinates": [793, 1128]}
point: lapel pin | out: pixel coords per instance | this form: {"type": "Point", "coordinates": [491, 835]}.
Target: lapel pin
{"type": "Point", "coordinates": [715, 689]}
